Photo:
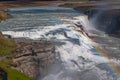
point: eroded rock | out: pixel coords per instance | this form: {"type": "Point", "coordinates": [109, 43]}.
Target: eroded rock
{"type": "Point", "coordinates": [32, 56]}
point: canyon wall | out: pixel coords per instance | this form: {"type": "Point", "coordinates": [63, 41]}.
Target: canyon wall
{"type": "Point", "coordinates": [105, 17]}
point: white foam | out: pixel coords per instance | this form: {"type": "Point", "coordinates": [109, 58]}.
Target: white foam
{"type": "Point", "coordinates": [77, 57]}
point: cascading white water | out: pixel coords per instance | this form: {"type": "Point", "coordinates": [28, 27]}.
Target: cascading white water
{"type": "Point", "coordinates": [78, 58]}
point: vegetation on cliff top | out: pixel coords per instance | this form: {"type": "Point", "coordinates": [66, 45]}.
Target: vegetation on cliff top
{"type": "Point", "coordinates": [12, 73]}
{"type": "Point", "coordinates": [6, 45]}
{"type": "Point", "coordinates": [6, 48]}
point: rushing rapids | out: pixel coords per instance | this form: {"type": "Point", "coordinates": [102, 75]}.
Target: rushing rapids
{"type": "Point", "coordinates": [69, 31]}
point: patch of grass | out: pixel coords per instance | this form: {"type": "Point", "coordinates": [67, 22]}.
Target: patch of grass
{"type": "Point", "coordinates": [6, 48]}
{"type": "Point", "coordinates": [6, 45]}
{"type": "Point", "coordinates": [12, 74]}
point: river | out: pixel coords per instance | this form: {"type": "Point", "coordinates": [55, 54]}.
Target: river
{"type": "Point", "coordinates": [79, 60]}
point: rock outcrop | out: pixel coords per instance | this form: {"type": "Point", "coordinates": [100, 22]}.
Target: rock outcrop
{"type": "Point", "coordinates": [33, 56]}
{"type": "Point", "coordinates": [3, 15]}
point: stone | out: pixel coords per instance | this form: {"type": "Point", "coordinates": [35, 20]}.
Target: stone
{"type": "Point", "coordinates": [31, 55]}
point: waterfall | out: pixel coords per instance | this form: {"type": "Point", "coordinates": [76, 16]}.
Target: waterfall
{"type": "Point", "coordinates": [78, 58]}
{"type": "Point", "coordinates": [75, 50]}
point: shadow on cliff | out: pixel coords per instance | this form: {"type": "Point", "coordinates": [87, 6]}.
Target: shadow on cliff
{"type": "Point", "coordinates": [3, 74]}
{"type": "Point", "coordinates": [107, 19]}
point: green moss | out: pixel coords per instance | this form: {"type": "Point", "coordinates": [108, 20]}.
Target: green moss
{"type": "Point", "coordinates": [6, 46]}
{"type": "Point", "coordinates": [13, 74]}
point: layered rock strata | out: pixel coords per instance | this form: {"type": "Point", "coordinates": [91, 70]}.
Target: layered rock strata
{"type": "Point", "coordinates": [32, 57]}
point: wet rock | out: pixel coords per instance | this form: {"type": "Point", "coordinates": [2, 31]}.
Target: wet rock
{"type": "Point", "coordinates": [7, 36]}
{"type": "Point", "coordinates": [31, 56]}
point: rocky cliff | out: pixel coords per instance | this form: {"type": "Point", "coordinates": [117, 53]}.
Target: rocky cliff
{"type": "Point", "coordinates": [33, 57]}
{"type": "Point", "coordinates": [3, 15]}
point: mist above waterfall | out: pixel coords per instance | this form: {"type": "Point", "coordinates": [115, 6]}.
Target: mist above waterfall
{"type": "Point", "coordinates": [105, 18]}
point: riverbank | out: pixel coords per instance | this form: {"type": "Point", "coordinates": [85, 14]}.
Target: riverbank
{"type": "Point", "coordinates": [89, 4]}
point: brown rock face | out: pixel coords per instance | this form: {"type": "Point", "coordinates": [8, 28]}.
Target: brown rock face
{"type": "Point", "coordinates": [1, 35]}
{"type": "Point", "coordinates": [3, 15]}
{"type": "Point", "coordinates": [33, 56]}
